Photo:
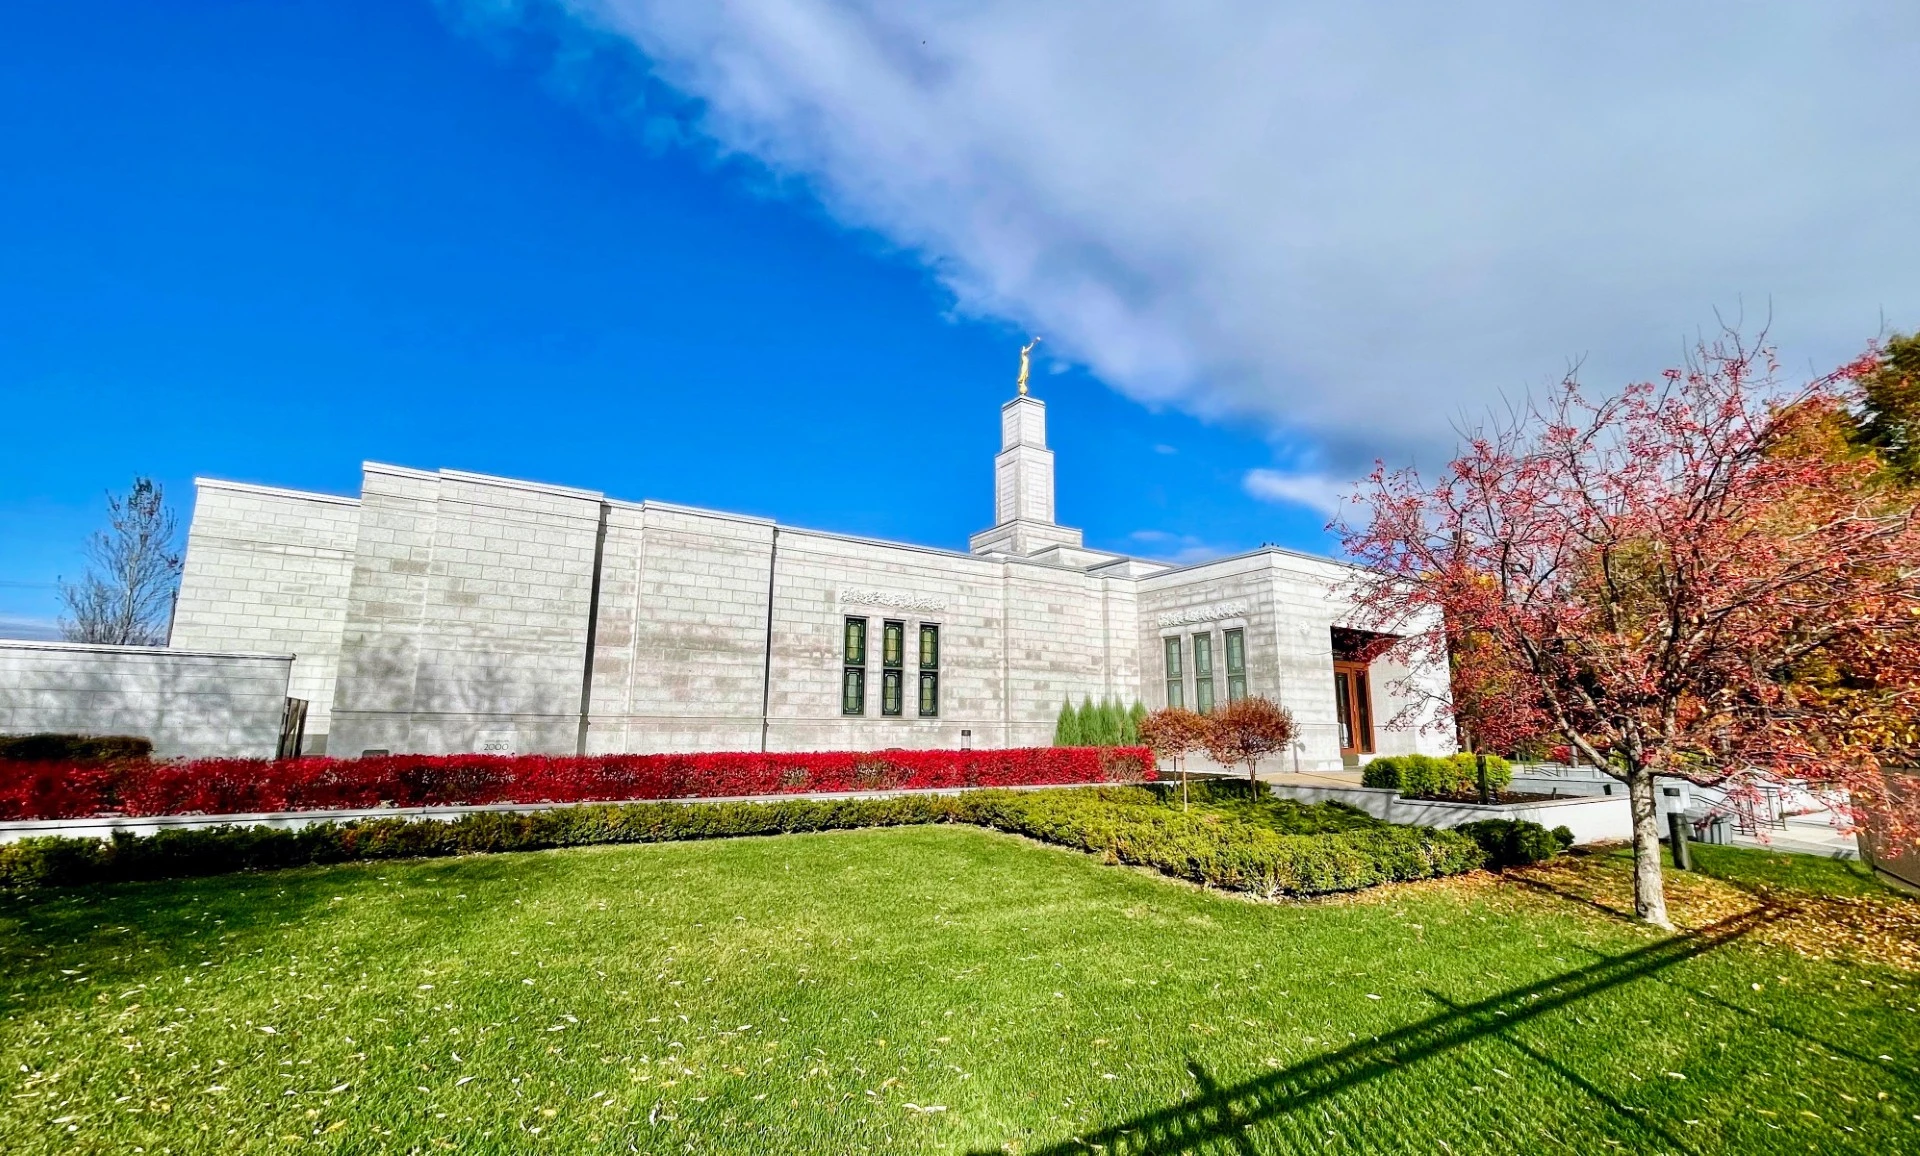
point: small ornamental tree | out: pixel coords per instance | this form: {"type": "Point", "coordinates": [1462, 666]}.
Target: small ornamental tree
{"type": "Point", "coordinates": [1174, 733]}
{"type": "Point", "coordinates": [1248, 731]}
{"type": "Point", "coordinates": [1673, 580]}
{"type": "Point", "coordinates": [1066, 729]}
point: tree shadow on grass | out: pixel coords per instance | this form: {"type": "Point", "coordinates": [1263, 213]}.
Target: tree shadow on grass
{"type": "Point", "coordinates": [1222, 1115]}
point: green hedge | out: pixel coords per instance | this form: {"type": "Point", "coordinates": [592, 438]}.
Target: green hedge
{"type": "Point", "coordinates": [1122, 825]}
{"type": "Point", "coordinates": [49, 748]}
{"type": "Point", "coordinates": [1515, 842]}
{"type": "Point", "coordinates": [1416, 775]}
{"type": "Point", "coordinates": [1128, 825]}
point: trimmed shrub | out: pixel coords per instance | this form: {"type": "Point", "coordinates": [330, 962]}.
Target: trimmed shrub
{"type": "Point", "coordinates": [242, 786]}
{"type": "Point", "coordinates": [1418, 775]}
{"type": "Point", "coordinates": [86, 749]}
{"type": "Point", "coordinates": [1234, 855]}
{"type": "Point", "coordinates": [1120, 824]}
{"type": "Point", "coordinates": [1513, 842]}
{"type": "Point", "coordinates": [1563, 835]}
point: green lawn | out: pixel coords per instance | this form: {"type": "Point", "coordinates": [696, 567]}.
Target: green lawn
{"type": "Point", "coordinates": [924, 988]}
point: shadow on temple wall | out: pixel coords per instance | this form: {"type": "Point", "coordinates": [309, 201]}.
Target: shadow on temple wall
{"type": "Point", "coordinates": [1220, 1116]}
{"type": "Point", "coordinates": [448, 706]}
{"type": "Point", "coordinates": [185, 705]}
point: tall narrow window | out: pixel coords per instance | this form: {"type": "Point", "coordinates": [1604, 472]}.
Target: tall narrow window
{"type": "Point", "coordinates": [1176, 678]}
{"type": "Point", "coordinates": [1203, 673]}
{"type": "Point", "coordinates": [929, 670]}
{"type": "Point", "coordinates": [853, 680]}
{"type": "Point", "coordinates": [1236, 665]}
{"type": "Point", "coordinates": [893, 646]}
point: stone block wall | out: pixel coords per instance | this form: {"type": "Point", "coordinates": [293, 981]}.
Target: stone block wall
{"type": "Point", "coordinates": [468, 615]}
{"type": "Point", "coordinates": [479, 613]}
{"type": "Point", "coordinates": [680, 661]}
{"type": "Point", "coordinates": [269, 570]}
{"type": "Point", "coordinates": [824, 579]}
{"type": "Point", "coordinates": [189, 703]}
{"type": "Point", "coordinates": [1288, 604]}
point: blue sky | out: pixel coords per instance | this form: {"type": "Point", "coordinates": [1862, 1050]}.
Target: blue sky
{"type": "Point", "coordinates": [269, 242]}
{"type": "Point", "coordinates": [776, 256]}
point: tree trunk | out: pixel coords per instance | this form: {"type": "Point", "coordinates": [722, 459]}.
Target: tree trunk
{"type": "Point", "coordinates": [1649, 896]}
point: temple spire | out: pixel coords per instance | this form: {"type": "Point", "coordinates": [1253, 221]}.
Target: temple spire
{"type": "Point", "coordinates": [1023, 478]}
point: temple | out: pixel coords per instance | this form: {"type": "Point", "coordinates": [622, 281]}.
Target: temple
{"type": "Point", "coordinates": [444, 611]}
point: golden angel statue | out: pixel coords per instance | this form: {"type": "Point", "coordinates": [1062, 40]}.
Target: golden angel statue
{"type": "Point", "coordinates": [1026, 364]}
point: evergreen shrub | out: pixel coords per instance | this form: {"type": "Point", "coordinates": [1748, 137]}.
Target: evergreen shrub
{"type": "Point", "coordinates": [1121, 825]}
{"type": "Point", "coordinates": [51, 748]}
{"type": "Point", "coordinates": [1514, 842]}
{"type": "Point", "coordinates": [1415, 776]}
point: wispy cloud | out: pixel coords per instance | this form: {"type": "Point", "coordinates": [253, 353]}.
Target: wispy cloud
{"type": "Point", "coordinates": [24, 626]}
{"type": "Point", "coordinates": [1314, 491]}
{"type": "Point", "coordinates": [1165, 449]}
{"type": "Point", "coordinates": [1346, 222]}
{"type": "Point", "coordinates": [1162, 546]}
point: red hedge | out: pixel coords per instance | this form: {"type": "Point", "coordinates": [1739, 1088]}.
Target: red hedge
{"type": "Point", "coordinates": [238, 786]}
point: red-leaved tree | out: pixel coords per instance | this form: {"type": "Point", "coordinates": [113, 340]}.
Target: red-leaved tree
{"type": "Point", "coordinates": [1246, 732]}
{"type": "Point", "coordinates": [1174, 733]}
{"type": "Point", "coordinates": [1672, 579]}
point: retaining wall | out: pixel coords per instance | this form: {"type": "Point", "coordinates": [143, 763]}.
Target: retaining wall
{"type": "Point", "coordinates": [1591, 818]}
{"type": "Point", "coordinates": [190, 703]}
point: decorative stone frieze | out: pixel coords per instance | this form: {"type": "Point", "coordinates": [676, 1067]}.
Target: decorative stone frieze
{"type": "Point", "coordinates": [1205, 614]}
{"type": "Point", "coordinates": [859, 597]}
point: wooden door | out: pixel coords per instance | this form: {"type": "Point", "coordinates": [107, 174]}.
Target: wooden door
{"type": "Point", "coordinates": [1353, 707]}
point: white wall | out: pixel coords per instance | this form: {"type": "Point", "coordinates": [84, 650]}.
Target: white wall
{"type": "Point", "coordinates": [269, 570]}
{"type": "Point", "coordinates": [189, 703]}
{"type": "Point", "coordinates": [467, 615]}
{"type": "Point", "coordinates": [1288, 604]}
{"type": "Point", "coordinates": [467, 612]}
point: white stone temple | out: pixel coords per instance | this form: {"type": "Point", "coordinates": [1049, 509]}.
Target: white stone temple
{"type": "Point", "coordinates": [443, 611]}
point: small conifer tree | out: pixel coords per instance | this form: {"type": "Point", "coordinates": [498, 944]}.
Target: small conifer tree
{"type": "Point", "coordinates": [1089, 722]}
{"type": "Point", "coordinates": [1066, 730]}
{"type": "Point", "coordinates": [1130, 733]}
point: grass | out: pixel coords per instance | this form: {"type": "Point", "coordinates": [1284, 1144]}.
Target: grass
{"type": "Point", "coordinates": [1759, 869]}
{"type": "Point", "coordinates": [928, 988]}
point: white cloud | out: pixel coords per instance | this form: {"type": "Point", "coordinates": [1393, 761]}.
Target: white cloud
{"type": "Point", "coordinates": [1348, 223]}
{"type": "Point", "coordinates": [1314, 491]}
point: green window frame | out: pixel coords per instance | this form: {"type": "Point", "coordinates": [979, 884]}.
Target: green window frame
{"type": "Point", "coordinates": [1176, 678]}
{"type": "Point", "coordinates": [893, 679]}
{"type": "Point", "coordinates": [929, 670]}
{"type": "Point", "coordinates": [1236, 641]}
{"type": "Point", "coordinates": [853, 672]}
{"type": "Point", "coordinates": [1203, 687]}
